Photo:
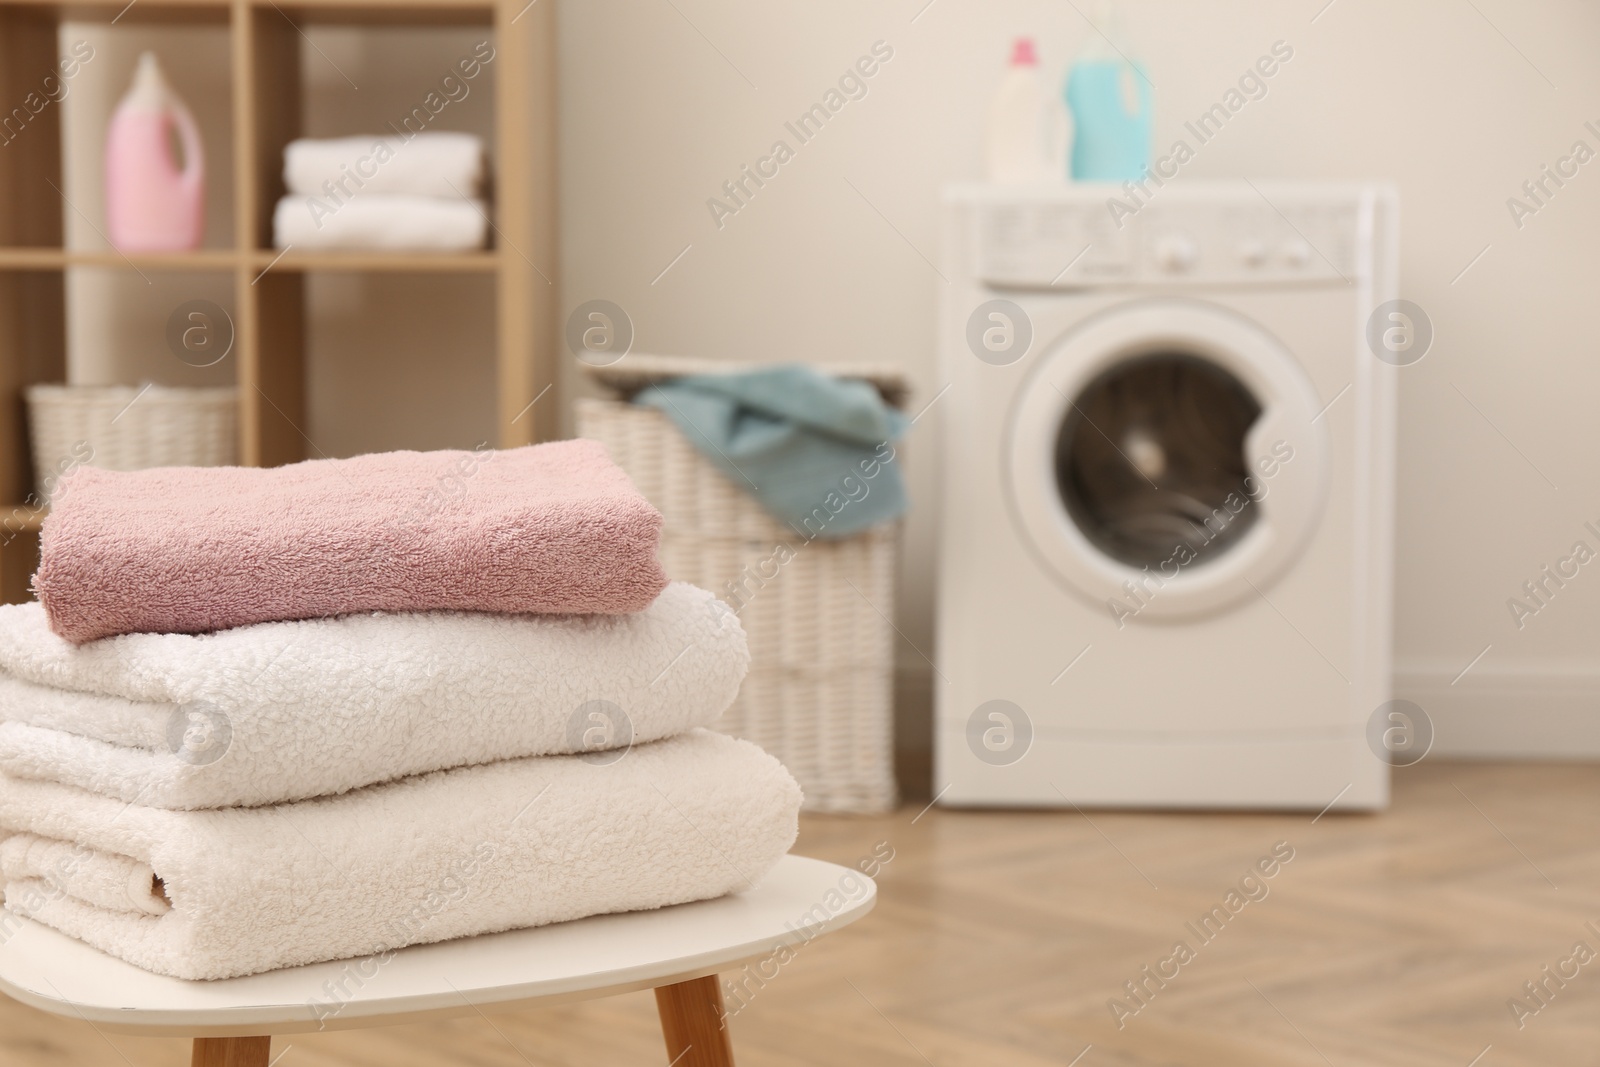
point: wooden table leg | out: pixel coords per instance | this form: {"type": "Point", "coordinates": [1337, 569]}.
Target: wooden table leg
{"type": "Point", "coordinates": [692, 1022]}
{"type": "Point", "coordinates": [231, 1051]}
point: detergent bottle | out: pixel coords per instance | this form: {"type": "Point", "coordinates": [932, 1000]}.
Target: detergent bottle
{"type": "Point", "coordinates": [1028, 129]}
{"type": "Point", "coordinates": [153, 205]}
{"type": "Point", "coordinates": [1112, 110]}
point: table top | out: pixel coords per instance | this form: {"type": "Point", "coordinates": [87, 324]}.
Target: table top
{"type": "Point", "coordinates": [797, 901]}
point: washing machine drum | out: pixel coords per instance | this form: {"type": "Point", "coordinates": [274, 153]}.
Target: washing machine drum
{"type": "Point", "coordinates": [1172, 446]}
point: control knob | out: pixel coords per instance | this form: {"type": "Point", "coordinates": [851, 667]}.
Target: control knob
{"type": "Point", "coordinates": [1176, 252]}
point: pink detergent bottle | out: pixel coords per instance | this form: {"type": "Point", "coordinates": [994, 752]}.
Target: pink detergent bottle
{"type": "Point", "coordinates": [151, 205]}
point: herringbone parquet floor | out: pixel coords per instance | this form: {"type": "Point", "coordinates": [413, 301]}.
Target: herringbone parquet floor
{"type": "Point", "coordinates": [999, 939]}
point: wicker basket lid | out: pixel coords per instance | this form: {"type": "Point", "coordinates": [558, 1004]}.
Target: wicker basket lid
{"type": "Point", "coordinates": [636, 371]}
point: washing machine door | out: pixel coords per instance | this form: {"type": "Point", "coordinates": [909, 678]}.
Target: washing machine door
{"type": "Point", "coordinates": [1166, 459]}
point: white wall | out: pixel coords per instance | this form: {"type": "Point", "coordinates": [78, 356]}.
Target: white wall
{"type": "Point", "coordinates": [663, 102]}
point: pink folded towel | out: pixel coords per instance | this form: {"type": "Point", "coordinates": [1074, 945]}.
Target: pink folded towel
{"type": "Point", "coordinates": [550, 528]}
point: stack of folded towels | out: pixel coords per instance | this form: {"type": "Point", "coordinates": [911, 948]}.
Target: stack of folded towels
{"type": "Point", "coordinates": [421, 191]}
{"type": "Point", "coordinates": [262, 718]}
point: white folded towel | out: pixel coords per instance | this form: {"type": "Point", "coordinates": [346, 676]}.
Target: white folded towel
{"type": "Point", "coordinates": [287, 710]}
{"type": "Point", "coordinates": [470, 851]}
{"type": "Point", "coordinates": [388, 221]}
{"type": "Point", "coordinates": [102, 879]}
{"type": "Point", "coordinates": [442, 163]}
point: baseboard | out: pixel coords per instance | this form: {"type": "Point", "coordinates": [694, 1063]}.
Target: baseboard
{"type": "Point", "coordinates": [1507, 714]}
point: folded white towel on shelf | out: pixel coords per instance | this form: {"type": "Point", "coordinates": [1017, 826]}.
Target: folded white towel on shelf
{"type": "Point", "coordinates": [475, 850]}
{"type": "Point", "coordinates": [380, 221]}
{"type": "Point", "coordinates": [287, 710]}
{"type": "Point", "coordinates": [432, 163]}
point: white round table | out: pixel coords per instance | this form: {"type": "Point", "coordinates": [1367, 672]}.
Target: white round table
{"type": "Point", "coordinates": [676, 951]}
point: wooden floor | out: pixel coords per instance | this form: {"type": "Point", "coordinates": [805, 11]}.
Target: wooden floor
{"type": "Point", "coordinates": [999, 938]}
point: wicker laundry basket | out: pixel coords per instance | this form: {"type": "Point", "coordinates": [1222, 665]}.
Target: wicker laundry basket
{"type": "Point", "coordinates": [130, 427]}
{"type": "Point", "coordinates": [819, 695]}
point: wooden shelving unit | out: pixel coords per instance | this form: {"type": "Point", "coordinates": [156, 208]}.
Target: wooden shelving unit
{"type": "Point", "coordinates": [269, 289]}
{"type": "Point", "coordinates": [485, 261]}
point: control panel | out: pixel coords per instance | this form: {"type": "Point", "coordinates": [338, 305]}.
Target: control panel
{"type": "Point", "coordinates": [1083, 240]}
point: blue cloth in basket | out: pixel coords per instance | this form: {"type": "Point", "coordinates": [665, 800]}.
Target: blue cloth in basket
{"type": "Point", "coordinates": [816, 451]}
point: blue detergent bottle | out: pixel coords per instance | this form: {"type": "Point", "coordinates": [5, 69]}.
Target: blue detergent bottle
{"type": "Point", "coordinates": [1112, 109]}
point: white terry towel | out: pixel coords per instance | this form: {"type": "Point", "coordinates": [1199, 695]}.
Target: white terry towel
{"type": "Point", "coordinates": [102, 879]}
{"type": "Point", "coordinates": [384, 221]}
{"type": "Point", "coordinates": [430, 163]}
{"type": "Point", "coordinates": [288, 710]}
{"type": "Point", "coordinates": [475, 850]}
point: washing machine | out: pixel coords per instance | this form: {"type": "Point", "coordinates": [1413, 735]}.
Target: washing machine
{"type": "Point", "coordinates": [1165, 564]}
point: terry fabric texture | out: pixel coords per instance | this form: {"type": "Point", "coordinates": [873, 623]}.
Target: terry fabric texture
{"type": "Point", "coordinates": [547, 528]}
{"type": "Point", "coordinates": [429, 163]}
{"type": "Point", "coordinates": [470, 851]}
{"type": "Point", "coordinates": [816, 451]}
{"type": "Point", "coordinates": [288, 710]}
{"type": "Point", "coordinates": [101, 879]}
{"type": "Point", "coordinates": [389, 221]}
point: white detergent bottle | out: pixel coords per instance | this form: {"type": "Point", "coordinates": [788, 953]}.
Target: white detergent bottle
{"type": "Point", "coordinates": [1028, 126]}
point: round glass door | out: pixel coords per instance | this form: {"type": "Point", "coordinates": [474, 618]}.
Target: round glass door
{"type": "Point", "coordinates": [1151, 457]}
{"type": "Point", "coordinates": [1171, 444]}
